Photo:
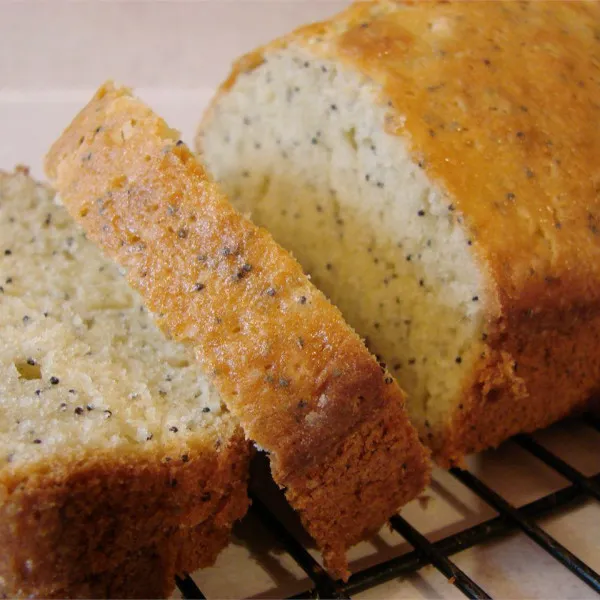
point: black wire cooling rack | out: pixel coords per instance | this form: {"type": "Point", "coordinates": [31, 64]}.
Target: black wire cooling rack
{"type": "Point", "coordinates": [425, 553]}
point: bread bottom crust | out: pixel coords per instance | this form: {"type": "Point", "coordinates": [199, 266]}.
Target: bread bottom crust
{"type": "Point", "coordinates": [119, 528]}
{"type": "Point", "coordinates": [342, 506]}
{"type": "Point", "coordinates": [149, 573]}
{"type": "Point", "coordinates": [540, 369]}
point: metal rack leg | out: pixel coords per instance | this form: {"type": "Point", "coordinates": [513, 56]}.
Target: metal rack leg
{"type": "Point", "coordinates": [188, 588]}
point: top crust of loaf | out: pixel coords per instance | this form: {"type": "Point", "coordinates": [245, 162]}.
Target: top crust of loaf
{"type": "Point", "coordinates": [503, 123]}
{"type": "Point", "coordinates": [301, 382]}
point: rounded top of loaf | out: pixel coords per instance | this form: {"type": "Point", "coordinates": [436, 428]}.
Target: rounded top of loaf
{"type": "Point", "coordinates": [499, 103]}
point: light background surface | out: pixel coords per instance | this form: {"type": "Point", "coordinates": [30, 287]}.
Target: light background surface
{"type": "Point", "coordinates": [53, 55]}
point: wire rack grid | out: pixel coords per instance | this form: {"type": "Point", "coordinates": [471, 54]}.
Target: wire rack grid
{"type": "Point", "coordinates": [438, 554]}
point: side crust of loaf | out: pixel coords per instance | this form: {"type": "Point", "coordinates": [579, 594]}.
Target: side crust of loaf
{"type": "Point", "coordinates": [299, 379]}
{"type": "Point", "coordinates": [541, 369]}
{"type": "Point", "coordinates": [150, 574]}
{"type": "Point", "coordinates": [540, 361]}
{"type": "Point", "coordinates": [108, 525]}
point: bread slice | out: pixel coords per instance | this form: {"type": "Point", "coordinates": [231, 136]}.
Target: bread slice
{"type": "Point", "coordinates": [301, 382]}
{"type": "Point", "coordinates": [119, 464]}
{"type": "Point", "coordinates": [434, 168]}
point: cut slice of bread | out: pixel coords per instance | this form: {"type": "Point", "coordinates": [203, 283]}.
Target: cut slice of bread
{"type": "Point", "coordinates": [119, 464]}
{"type": "Point", "coordinates": [437, 175]}
{"type": "Point", "coordinates": [302, 383]}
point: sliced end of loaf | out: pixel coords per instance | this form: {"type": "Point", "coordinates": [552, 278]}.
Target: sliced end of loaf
{"type": "Point", "coordinates": [111, 440]}
{"type": "Point", "coordinates": [299, 143]}
{"type": "Point", "coordinates": [423, 182]}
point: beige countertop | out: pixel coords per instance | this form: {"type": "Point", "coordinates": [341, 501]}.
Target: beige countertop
{"type": "Point", "coordinates": [52, 57]}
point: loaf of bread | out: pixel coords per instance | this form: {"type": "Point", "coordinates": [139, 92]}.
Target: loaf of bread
{"type": "Point", "coordinates": [301, 382]}
{"type": "Point", "coordinates": [435, 167]}
{"type": "Point", "coordinates": [119, 464]}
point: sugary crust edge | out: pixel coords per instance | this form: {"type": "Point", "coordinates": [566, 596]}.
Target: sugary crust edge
{"type": "Point", "coordinates": [340, 384]}
{"type": "Point", "coordinates": [498, 401]}
{"type": "Point", "coordinates": [69, 525]}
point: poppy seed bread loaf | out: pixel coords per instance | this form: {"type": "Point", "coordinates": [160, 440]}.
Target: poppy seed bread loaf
{"type": "Point", "coordinates": [301, 382]}
{"type": "Point", "coordinates": [119, 464]}
{"type": "Point", "coordinates": [435, 168]}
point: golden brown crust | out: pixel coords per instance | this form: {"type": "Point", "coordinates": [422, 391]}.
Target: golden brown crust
{"type": "Point", "coordinates": [543, 369]}
{"type": "Point", "coordinates": [70, 526]}
{"type": "Point", "coordinates": [150, 573]}
{"type": "Point", "coordinates": [349, 492]}
{"type": "Point", "coordinates": [506, 126]}
{"type": "Point", "coordinates": [298, 378]}
{"type": "Point", "coordinates": [502, 124]}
